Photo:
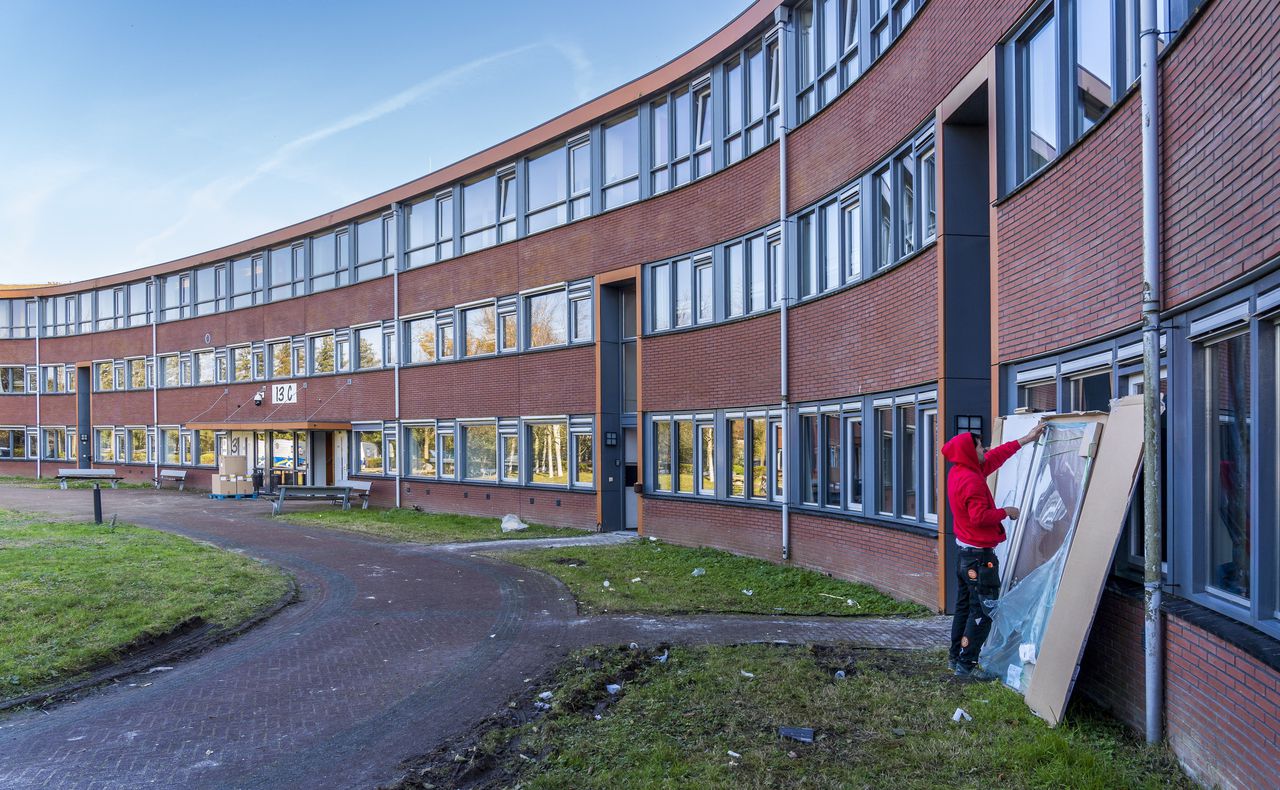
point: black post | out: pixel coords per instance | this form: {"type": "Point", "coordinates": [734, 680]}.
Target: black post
{"type": "Point", "coordinates": [97, 503]}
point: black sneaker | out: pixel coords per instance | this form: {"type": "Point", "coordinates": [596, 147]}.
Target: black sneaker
{"type": "Point", "coordinates": [952, 664]}
{"type": "Point", "coordinates": [974, 673]}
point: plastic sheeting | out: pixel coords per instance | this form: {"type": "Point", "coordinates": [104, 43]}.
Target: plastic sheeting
{"type": "Point", "coordinates": [1052, 483]}
{"type": "Point", "coordinates": [1011, 480]}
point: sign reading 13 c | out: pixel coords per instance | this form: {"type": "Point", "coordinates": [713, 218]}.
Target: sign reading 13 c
{"type": "Point", "coordinates": [284, 393]}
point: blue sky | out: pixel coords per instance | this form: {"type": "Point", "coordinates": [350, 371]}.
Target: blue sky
{"type": "Point", "coordinates": [140, 132]}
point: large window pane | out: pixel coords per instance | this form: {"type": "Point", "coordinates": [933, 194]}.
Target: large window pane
{"type": "Point", "coordinates": [322, 354]}
{"type": "Point", "coordinates": [831, 434]}
{"type": "Point", "coordinates": [546, 182]}
{"type": "Point", "coordinates": [584, 461]}
{"type": "Point", "coordinates": [684, 292]}
{"type": "Point", "coordinates": [369, 452]}
{"type": "Point", "coordinates": [422, 340]}
{"type": "Point", "coordinates": [661, 297]}
{"type": "Point", "coordinates": [884, 459]}
{"type": "Point", "coordinates": [759, 457]}
{"type": "Point", "coordinates": [734, 262]}
{"type": "Point", "coordinates": [548, 319]}
{"type": "Point", "coordinates": [422, 451]}
{"type": "Point", "coordinates": [369, 347]}
{"type": "Point", "coordinates": [907, 459]}
{"type": "Point", "coordinates": [549, 454]}
{"type": "Point", "coordinates": [622, 150]}
{"type": "Point", "coordinates": [1228, 401]}
{"type": "Point", "coordinates": [1040, 62]}
{"type": "Point", "coordinates": [1093, 60]}
{"type": "Point", "coordinates": [662, 455]}
{"type": "Point", "coordinates": [480, 443]}
{"type": "Point", "coordinates": [707, 459]}
{"type": "Point", "coordinates": [481, 328]}
{"type": "Point", "coordinates": [809, 455]}
{"type": "Point", "coordinates": [737, 457]}
{"type": "Point", "coordinates": [853, 430]}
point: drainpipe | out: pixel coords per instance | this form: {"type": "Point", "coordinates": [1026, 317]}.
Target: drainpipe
{"type": "Point", "coordinates": [1153, 635]}
{"type": "Point", "coordinates": [784, 358]}
{"type": "Point", "coordinates": [39, 382]}
{"type": "Point", "coordinates": [395, 317]}
{"type": "Point", "coordinates": [155, 380]}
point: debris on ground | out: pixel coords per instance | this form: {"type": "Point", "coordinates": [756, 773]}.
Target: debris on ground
{"type": "Point", "coordinates": [158, 669]}
{"type": "Point", "coordinates": [801, 734]}
{"type": "Point", "coordinates": [746, 674]}
{"type": "Point", "coordinates": [634, 646]}
{"type": "Point", "coordinates": [662, 659]}
{"type": "Point", "coordinates": [606, 582]}
{"type": "Point", "coordinates": [699, 571]}
{"type": "Point", "coordinates": [613, 688]}
{"type": "Point", "coordinates": [636, 579]}
{"type": "Point", "coordinates": [734, 755]}
{"type": "Point", "coordinates": [748, 592]}
{"type": "Point", "coordinates": [512, 523]}
{"type": "Point", "coordinates": [961, 715]}
{"type": "Point", "coordinates": [546, 695]}
{"type": "Point", "coordinates": [839, 674]}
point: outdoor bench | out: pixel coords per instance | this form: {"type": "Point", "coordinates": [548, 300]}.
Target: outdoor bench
{"type": "Point", "coordinates": [338, 494]}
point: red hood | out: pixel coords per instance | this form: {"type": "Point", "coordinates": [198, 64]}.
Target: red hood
{"type": "Point", "coordinates": [961, 452]}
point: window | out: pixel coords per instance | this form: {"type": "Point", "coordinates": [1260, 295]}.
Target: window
{"type": "Point", "coordinates": [509, 335]}
{"type": "Point", "coordinates": [109, 311]}
{"type": "Point", "coordinates": [420, 334]}
{"type": "Point", "coordinates": [683, 270]}
{"type": "Point", "coordinates": [169, 371]}
{"type": "Point", "coordinates": [1038, 395]}
{"type": "Point", "coordinates": [13, 443]}
{"type": "Point", "coordinates": [583, 460]}
{"type": "Point", "coordinates": [819, 48]}
{"type": "Point", "coordinates": [479, 214]}
{"type": "Point", "coordinates": [287, 272]}
{"type": "Point", "coordinates": [704, 284]}
{"type": "Point", "coordinates": [322, 357]}
{"type": "Point", "coordinates": [684, 456]}
{"type": "Point", "coordinates": [54, 379]}
{"type": "Point", "coordinates": [737, 456]}
{"type": "Point", "coordinates": [509, 444]}
{"type": "Point", "coordinates": [548, 453]}
{"type": "Point", "coordinates": [368, 347]}
{"type": "Point", "coordinates": [853, 443]}
{"type": "Point", "coordinates": [54, 444]}
{"type": "Point", "coordinates": [444, 335]}
{"type": "Point", "coordinates": [241, 363]}
{"type": "Point", "coordinates": [929, 456]}
{"type": "Point", "coordinates": [547, 319]}
{"type": "Point", "coordinates": [204, 367]}
{"type": "Point", "coordinates": [139, 446]}
{"type": "Point", "coordinates": [882, 189]}
{"type": "Point", "coordinates": [661, 297]}
{"type": "Point", "coordinates": [1089, 391]}
{"type": "Point", "coordinates": [558, 185]}
{"type": "Point", "coordinates": [421, 448]}
{"type": "Point", "coordinates": [759, 456]}
{"type": "Point", "coordinates": [622, 161]}
{"type": "Point", "coordinates": [810, 455]}
{"type": "Point", "coordinates": [430, 230]}
{"type": "Point", "coordinates": [447, 456]}
{"type": "Point", "coordinates": [681, 136]}
{"type": "Point", "coordinates": [1039, 77]}
{"type": "Point", "coordinates": [850, 66]}
{"type": "Point", "coordinates": [906, 209]}
{"type": "Point", "coordinates": [884, 460]}
{"type": "Point", "coordinates": [330, 260]}
{"type": "Point", "coordinates": [907, 460]}
{"type": "Point", "coordinates": [506, 206]}
{"type": "Point", "coordinates": [480, 328]}
{"type": "Point", "coordinates": [480, 452]}
{"type": "Point", "coordinates": [369, 457]}
{"type": "Point", "coordinates": [851, 230]}
{"type": "Point", "coordinates": [170, 452]}
{"type": "Point", "coordinates": [580, 308]}
{"type": "Point", "coordinates": [246, 281]}
{"type": "Point", "coordinates": [103, 445]}
{"type": "Point", "coordinates": [281, 359]}
{"type": "Point", "coordinates": [13, 378]}
{"type": "Point", "coordinates": [1226, 395]}
{"type": "Point", "coordinates": [662, 454]}
{"type": "Point", "coordinates": [206, 448]}
{"type": "Point", "coordinates": [734, 262]}
{"type": "Point", "coordinates": [211, 291]}
{"type": "Point", "coordinates": [136, 373]}
{"type": "Point", "coordinates": [375, 246]}
{"type": "Point", "coordinates": [341, 352]}
{"type": "Point", "coordinates": [707, 458]}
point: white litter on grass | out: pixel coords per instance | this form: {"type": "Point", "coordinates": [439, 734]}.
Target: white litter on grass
{"type": "Point", "coordinates": [961, 714]}
{"type": "Point", "coordinates": [652, 539]}
{"type": "Point", "coordinates": [746, 674]}
{"type": "Point", "coordinates": [734, 755]}
{"type": "Point", "coordinates": [1013, 677]}
{"type": "Point", "coordinates": [606, 582]}
{"type": "Point", "coordinates": [699, 571]}
{"type": "Point", "coordinates": [839, 674]}
{"type": "Point", "coordinates": [541, 706]}
{"type": "Point", "coordinates": [512, 523]}
{"type": "Point", "coordinates": [613, 688]}
{"type": "Point", "coordinates": [636, 579]}
{"type": "Point", "coordinates": [662, 659]}
{"type": "Point", "coordinates": [634, 646]}
{"type": "Point", "coordinates": [748, 592]}
{"type": "Point", "coordinates": [158, 669]}
{"type": "Point", "coordinates": [545, 695]}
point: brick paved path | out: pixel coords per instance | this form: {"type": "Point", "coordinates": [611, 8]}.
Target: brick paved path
{"type": "Point", "coordinates": [391, 650]}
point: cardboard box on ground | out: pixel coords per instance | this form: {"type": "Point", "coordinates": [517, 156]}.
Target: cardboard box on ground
{"type": "Point", "coordinates": [1045, 625]}
{"type": "Point", "coordinates": [232, 478]}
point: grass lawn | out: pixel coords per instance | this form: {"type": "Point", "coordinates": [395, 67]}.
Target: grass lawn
{"type": "Point", "coordinates": [74, 595]}
{"type": "Point", "coordinates": [416, 527]}
{"type": "Point", "coordinates": [31, 482]}
{"type": "Point", "coordinates": [657, 578]}
{"type": "Point", "coordinates": [698, 721]}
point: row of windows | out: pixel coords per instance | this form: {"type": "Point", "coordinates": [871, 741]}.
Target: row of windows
{"type": "Point", "coordinates": [1220, 473]}
{"type": "Point", "coordinates": [739, 455]}
{"type": "Point", "coordinates": [1071, 62]}
{"type": "Point", "coordinates": [51, 379]}
{"type": "Point", "coordinates": [550, 318]}
{"type": "Point", "coordinates": [833, 239]}
{"type": "Point", "coordinates": [542, 451]}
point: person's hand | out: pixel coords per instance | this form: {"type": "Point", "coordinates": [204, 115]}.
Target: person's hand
{"type": "Point", "coordinates": [1012, 512]}
{"type": "Point", "coordinates": [1033, 434]}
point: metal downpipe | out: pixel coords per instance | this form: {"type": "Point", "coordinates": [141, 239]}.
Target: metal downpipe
{"type": "Point", "coordinates": [784, 359]}
{"type": "Point", "coordinates": [1153, 630]}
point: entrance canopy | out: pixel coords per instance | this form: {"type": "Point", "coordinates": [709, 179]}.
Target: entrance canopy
{"type": "Point", "coordinates": [284, 425]}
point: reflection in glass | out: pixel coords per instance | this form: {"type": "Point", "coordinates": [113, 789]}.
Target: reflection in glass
{"type": "Point", "coordinates": [1228, 402]}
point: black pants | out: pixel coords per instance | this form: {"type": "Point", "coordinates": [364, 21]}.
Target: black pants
{"type": "Point", "coordinates": [977, 588]}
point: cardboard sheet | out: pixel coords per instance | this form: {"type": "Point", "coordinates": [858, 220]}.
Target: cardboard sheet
{"type": "Point", "coordinates": [1088, 560]}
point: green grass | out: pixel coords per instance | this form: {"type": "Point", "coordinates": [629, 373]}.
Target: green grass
{"type": "Point", "coordinates": [416, 527]}
{"type": "Point", "coordinates": [31, 482]}
{"type": "Point", "coordinates": [667, 585]}
{"type": "Point", "coordinates": [73, 595]}
{"type": "Point", "coordinates": [888, 724]}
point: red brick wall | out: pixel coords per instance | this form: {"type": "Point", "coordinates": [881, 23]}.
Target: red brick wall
{"type": "Point", "coordinates": [898, 563]}
{"type": "Point", "coordinates": [532, 505]}
{"type": "Point", "coordinates": [733, 364]}
{"type": "Point", "coordinates": [874, 337]}
{"type": "Point", "coordinates": [1222, 706]}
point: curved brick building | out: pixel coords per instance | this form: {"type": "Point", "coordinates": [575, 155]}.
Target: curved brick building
{"type": "Point", "coordinates": [954, 222]}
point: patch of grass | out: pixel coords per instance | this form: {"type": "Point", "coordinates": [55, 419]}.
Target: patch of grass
{"type": "Point", "coordinates": [888, 723]}
{"type": "Point", "coordinates": [667, 585]}
{"type": "Point", "coordinates": [417, 527]}
{"type": "Point", "coordinates": [73, 596]}
{"type": "Point", "coordinates": [47, 483]}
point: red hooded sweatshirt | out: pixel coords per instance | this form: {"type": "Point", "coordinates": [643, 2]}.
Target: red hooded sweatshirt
{"type": "Point", "coordinates": [976, 519]}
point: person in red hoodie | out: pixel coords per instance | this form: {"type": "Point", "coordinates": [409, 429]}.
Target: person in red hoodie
{"type": "Point", "coordinates": [978, 527]}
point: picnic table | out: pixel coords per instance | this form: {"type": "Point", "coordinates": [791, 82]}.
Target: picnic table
{"type": "Point", "coordinates": [95, 475]}
{"type": "Point", "coordinates": [337, 494]}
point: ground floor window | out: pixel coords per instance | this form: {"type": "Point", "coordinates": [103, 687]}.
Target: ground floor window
{"type": "Point", "coordinates": [420, 449]}
{"type": "Point", "coordinates": [480, 452]}
{"type": "Point", "coordinates": [1227, 398]}
{"type": "Point", "coordinates": [139, 445]}
{"type": "Point", "coordinates": [104, 444]}
{"type": "Point", "coordinates": [369, 455]}
{"type": "Point", "coordinates": [55, 444]}
{"type": "Point", "coordinates": [548, 453]}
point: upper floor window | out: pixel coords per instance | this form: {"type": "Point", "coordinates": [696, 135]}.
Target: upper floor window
{"type": "Point", "coordinates": [246, 281]}
{"type": "Point", "coordinates": [375, 246]}
{"type": "Point", "coordinates": [110, 308]}
{"type": "Point", "coordinates": [681, 136]}
{"type": "Point", "coordinates": [558, 184]}
{"type": "Point", "coordinates": [429, 234]}
{"type": "Point", "coordinates": [546, 316]}
{"type": "Point", "coordinates": [746, 103]}
{"type": "Point", "coordinates": [175, 296]}
{"type": "Point", "coordinates": [13, 380]}
{"type": "Point", "coordinates": [287, 273]}
{"type": "Point", "coordinates": [621, 156]}
{"type": "Point", "coordinates": [479, 213]}
{"type": "Point", "coordinates": [330, 260]}
{"type": "Point", "coordinates": [211, 290]}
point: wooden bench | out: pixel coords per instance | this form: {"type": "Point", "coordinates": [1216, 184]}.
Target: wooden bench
{"type": "Point", "coordinates": [361, 489]}
{"type": "Point", "coordinates": [179, 476]}
{"type": "Point", "coordinates": [95, 475]}
{"type": "Point", "coordinates": [337, 494]}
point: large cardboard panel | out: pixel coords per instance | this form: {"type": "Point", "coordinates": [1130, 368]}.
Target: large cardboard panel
{"type": "Point", "coordinates": [1102, 515]}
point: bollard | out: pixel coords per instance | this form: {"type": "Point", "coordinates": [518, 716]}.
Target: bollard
{"type": "Point", "coordinates": [97, 503]}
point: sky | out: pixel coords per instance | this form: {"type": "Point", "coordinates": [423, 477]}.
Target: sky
{"type": "Point", "coordinates": [139, 132]}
